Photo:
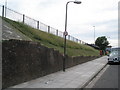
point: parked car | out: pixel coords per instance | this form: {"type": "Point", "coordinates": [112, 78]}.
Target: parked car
{"type": "Point", "coordinates": [114, 57]}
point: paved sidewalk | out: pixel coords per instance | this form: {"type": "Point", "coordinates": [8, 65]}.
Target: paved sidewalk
{"type": "Point", "coordinates": [74, 77]}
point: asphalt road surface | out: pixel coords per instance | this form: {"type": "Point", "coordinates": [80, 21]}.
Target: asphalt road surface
{"type": "Point", "coordinates": [107, 78]}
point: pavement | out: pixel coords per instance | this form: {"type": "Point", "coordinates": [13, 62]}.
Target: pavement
{"type": "Point", "coordinates": [74, 77]}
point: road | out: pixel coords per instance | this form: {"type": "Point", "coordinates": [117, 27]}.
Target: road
{"type": "Point", "coordinates": [107, 78]}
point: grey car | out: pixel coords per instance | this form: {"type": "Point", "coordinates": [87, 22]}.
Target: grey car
{"type": "Point", "coordinates": [114, 57]}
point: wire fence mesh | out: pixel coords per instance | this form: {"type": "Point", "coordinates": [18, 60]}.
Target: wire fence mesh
{"type": "Point", "coordinates": [53, 30]}
{"type": "Point", "coordinates": [16, 16]}
{"type": "Point", "coordinates": [60, 34]}
{"type": "Point", "coordinates": [29, 21]}
{"type": "Point", "coordinates": [13, 15]}
{"type": "Point", "coordinates": [43, 27]}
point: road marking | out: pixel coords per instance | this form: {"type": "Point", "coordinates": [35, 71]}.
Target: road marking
{"type": "Point", "coordinates": [91, 84]}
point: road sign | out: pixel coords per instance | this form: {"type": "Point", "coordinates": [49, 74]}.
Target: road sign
{"type": "Point", "coordinates": [65, 33]}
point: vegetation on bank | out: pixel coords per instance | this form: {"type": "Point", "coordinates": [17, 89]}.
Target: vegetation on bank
{"type": "Point", "coordinates": [52, 41]}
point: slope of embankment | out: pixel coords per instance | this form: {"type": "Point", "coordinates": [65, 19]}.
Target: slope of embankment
{"type": "Point", "coordinates": [50, 40]}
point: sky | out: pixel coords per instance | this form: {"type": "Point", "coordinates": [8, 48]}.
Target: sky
{"type": "Point", "coordinates": [103, 14]}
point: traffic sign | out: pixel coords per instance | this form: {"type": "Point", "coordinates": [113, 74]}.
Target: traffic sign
{"type": "Point", "coordinates": [65, 33]}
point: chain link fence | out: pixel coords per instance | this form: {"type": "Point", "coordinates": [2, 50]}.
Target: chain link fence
{"type": "Point", "coordinates": [29, 21]}
{"type": "Point", "coordinates": [13, 15]}
{"type": "Point", "coordinates": [16, 16]}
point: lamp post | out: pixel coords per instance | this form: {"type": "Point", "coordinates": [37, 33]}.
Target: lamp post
{"type": "Point", "coordinates": [66, 33]}
{"type": "Point", "coordinates": [94, 34]}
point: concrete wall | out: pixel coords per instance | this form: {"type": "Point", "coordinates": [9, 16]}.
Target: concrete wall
{"type": "Point", "coordinates": [25, 60]}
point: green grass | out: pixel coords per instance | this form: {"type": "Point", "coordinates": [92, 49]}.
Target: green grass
{"type": "Point", "coordinates": [52, 41]}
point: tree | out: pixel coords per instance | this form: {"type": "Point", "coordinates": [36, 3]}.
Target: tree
{"type": "Point", "coordinates": [102, 42]}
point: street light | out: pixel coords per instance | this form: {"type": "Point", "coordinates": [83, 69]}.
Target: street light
{"type": "Point", "coordinates": [94, 34]}
{"type": "Point", "coordinates": [66, 33]}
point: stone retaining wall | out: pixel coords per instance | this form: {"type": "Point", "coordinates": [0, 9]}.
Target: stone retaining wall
{"type": "Point", "coordinates": [25, 60]}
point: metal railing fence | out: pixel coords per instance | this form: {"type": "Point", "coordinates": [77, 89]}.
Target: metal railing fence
{"type": "Point", "coordinates": [16, 16]}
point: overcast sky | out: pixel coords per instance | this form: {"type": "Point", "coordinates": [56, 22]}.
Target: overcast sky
{"type": "Point", "coordinates": [103, 14]}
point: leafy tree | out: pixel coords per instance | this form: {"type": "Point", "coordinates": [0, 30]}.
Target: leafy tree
{"type": "Point", "coordinates": [102, 42]}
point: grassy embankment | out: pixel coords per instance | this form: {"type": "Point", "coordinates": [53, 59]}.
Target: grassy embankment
{"type": "Point", "coordinates": [52, 41]}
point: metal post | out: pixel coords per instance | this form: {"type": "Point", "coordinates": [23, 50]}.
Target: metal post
{"type": "Point", "coordinates": [57, 32]}
{"type": "Point", "coordinates": [80, 42]}
{"type": "Point", "coordinates": [48, 29]}
{"type": "Point", "coordinates": [23, 18]}
{"type": "Point", "coordinates": [37, 24]}
{"type": "Point", "coordinates": [77, 40]}
{"type": "Point", "coordinates": [3, 11]}
{"type": "Point", "coordinates": [65, 39]}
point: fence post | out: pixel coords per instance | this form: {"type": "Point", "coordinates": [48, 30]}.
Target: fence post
{"type": "Point", "coordinates": [3, 11]}
{"type": "Point", "coordinates": [37, 24]}
{"type": "Point", "coordinates": [77, 40]}
{"type": "Point", "coordinates": [48, 29]}
{"type": "Point", "coordinates": [57, 32]}
{"type": "Point", "coordinates": [23, 18]}
{"type": "Point", "coordinates": [80, 41]}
